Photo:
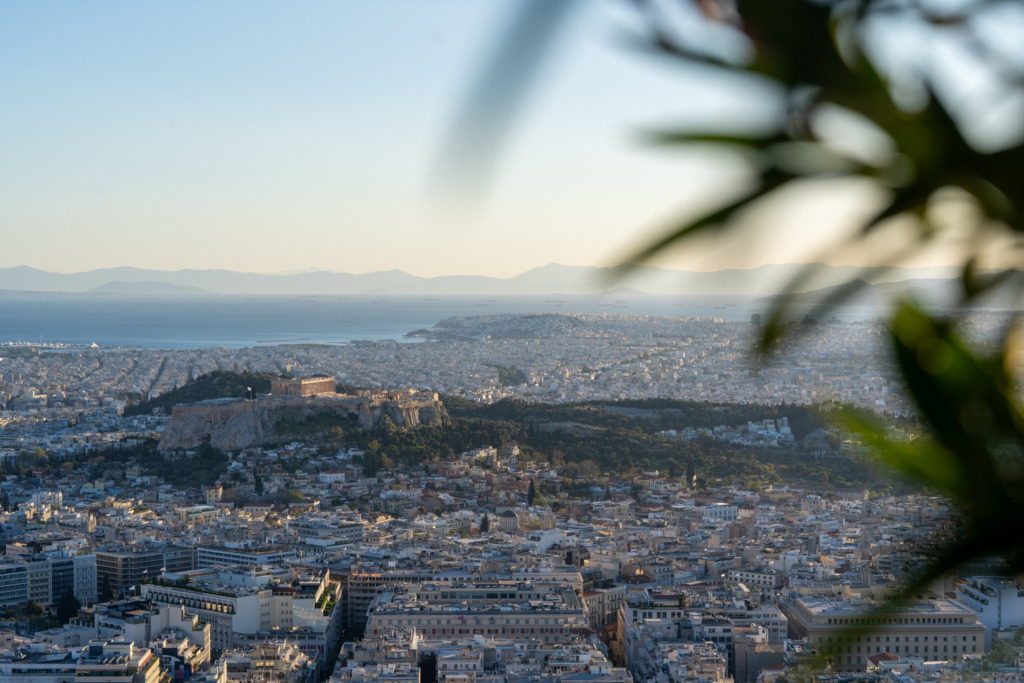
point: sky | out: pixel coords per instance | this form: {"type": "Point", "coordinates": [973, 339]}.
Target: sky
{"type": "Point", "coordinates": [279, 137]}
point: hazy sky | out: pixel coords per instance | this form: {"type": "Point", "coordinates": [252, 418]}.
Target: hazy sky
{"type": "Point", "coordinates": [279, 136]}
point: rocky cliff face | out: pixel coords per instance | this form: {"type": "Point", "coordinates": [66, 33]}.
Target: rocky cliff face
{"type": "Point", "coordinates": [254, 423]}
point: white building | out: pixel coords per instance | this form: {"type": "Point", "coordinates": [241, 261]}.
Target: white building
{"type": "Point", "coordinates": [719, 512]}
{"type": "Point", "coordinates": [997, 600]}
{"type": "Point", "coordinates": [46, 579]}
{"type": "Point", "coordinates": [117, 663]}
{"type": "Point", "coordinates": [244, 606]}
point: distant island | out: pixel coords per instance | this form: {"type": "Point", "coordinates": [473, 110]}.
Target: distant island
{"type": "Point", "coordinates": [144, 288]}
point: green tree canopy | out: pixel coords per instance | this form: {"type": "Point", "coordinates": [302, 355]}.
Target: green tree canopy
{"type": "Point", "coordinates": [67, 607]}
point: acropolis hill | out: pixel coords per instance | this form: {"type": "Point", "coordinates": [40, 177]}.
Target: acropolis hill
{"type": "Point", "coordinates": [231, 424]}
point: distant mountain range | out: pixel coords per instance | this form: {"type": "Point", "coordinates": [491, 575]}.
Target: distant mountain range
{"type": "Point", "coordinates": [943, 292]}
{"type": "Point", "coordinates": [550, 280]}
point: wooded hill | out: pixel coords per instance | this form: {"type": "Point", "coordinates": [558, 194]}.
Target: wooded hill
{"type": "Point", "coordinates": [584, 439]}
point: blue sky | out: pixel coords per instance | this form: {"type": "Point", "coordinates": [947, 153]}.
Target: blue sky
{"type": "Point", "coordinates": [270, 137]}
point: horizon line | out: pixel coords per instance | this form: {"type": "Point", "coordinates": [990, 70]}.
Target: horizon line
{"type": "Point", "coordinates": [312, 271]}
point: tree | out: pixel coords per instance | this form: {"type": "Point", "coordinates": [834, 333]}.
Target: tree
{"type": "Point", "coordinates": [258, 485]}
{"type": "Point", "coordinates": [33, 609]}
{"type": "Point", "coordinates": [371, 463]}
{"type": "Point", "coordinates": [106, 591]}
{"type": "Point", "coordinates": [485, 524]}
{"type": "Point", "coordinates": [531, 493]}
{"type": "Point", "coordinates": [691, 474]}
{"type": "Point", "coordinates": [67, 607]}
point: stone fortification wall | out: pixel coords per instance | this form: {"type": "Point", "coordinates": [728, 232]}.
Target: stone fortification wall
{"type": "Point", "coordinates": [243, 424]}
{"type": "Point", "coordinates": [221, 412]}
{"type": "Point", "coordinates": [397, 395]}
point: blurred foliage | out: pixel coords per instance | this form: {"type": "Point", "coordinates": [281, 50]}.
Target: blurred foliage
{"type": "Point", "coordinates": [817, 55]}
{"type": "Point", "coordinates": [922, 89]}
{"type": "Point", "coordinates": [915, 147]}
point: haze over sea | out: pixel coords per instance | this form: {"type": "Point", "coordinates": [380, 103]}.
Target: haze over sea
{"type": "Point", "coordinates": [176, 322]}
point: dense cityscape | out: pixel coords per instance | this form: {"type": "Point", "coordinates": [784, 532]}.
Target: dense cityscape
{"type": "Point", "coordinates": [284, 534]}
{"type": "Point", "coordinates": [551, 358]}
{"type": "Point", "coordinates": [519, 341]}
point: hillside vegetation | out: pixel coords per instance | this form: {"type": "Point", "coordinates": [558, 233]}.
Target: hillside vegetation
{"type": "Point", "coordinates": [216, 384]}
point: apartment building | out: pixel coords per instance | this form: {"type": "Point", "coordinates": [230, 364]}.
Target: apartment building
{"type": "Point", "coordinates": [46, 580]}
{"type": "Point", "coordinates": [121, 568]}
{"type": "Point", "coordinates": [998, 601]}
{"type": "Point", "coordinates": [243, 554]}
{"type": "Point", "coordinates": [516, 611]}
{"type": "Point", "coordinates": [117, 663]}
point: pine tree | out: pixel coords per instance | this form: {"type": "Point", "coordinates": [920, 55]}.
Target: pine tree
{"type": "Point", "coordinates": [106, 591]}
{"type": "Point", "coordinates": [371, 463]}
{"type": "Point", "coordinates": [67, 607]}
{"type": "Point", "coordinates": [485, 524]}
{"type": "Point", "coordinates": [607, 492]}
{"type": "Point", "coordinates": [531, 494]}
{"type": "Point", "coordinates": [691, 474]}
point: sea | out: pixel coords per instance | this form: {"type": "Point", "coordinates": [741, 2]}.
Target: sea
{"type": "Point", "coordinates": [210, 321]}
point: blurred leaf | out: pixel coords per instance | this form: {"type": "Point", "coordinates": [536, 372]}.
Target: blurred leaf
{"type": "Point", "coordinates": [910, 200]}
{"type": "Point", "coordinates": [778, 319]}
{"type": "Point", "coordinates": [473, 145]}
{"type": "Point", "coordinates": [682, 137]}
{"type": "Point", "coordinates": [922, 459]}
{"type": "Point", "coordinates": [771, 180]}
{"type": "Point", "coordinates": [966, 402]}
{"type": "Point", "coordinates": [814, 53]}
